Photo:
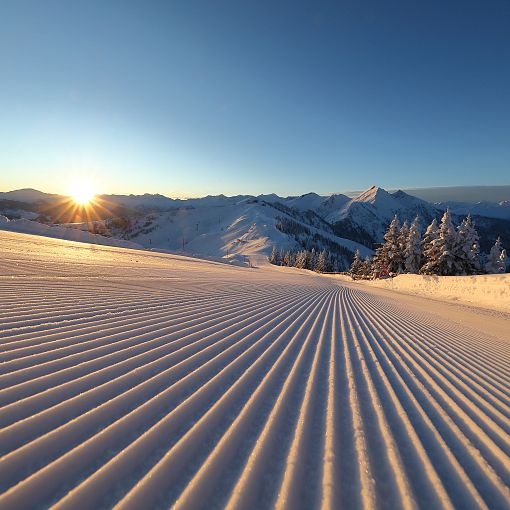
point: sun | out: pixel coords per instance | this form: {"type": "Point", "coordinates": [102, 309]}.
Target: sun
{"type": "Point", "coordinates": [82, 191]}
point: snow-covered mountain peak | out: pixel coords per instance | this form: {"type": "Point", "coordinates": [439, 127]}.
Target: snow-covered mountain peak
{"type": "Point", "coordinates": [305, 202]}
{"type": "Point", "coordinates": [375, 195]}
{"type": "Point", "coordinates": [271, 197]}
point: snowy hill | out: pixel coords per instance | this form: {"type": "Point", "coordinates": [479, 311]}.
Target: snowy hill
{"type": "Point", "coordinates": [26, 226]}
{"type": "Point", "coordinates": [243, 228]}
{"type": "Point", "coordinates": [491, 291]}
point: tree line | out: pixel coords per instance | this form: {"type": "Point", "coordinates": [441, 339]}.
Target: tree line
{"type": "Point", "coordinates": [338, 257]}
{"type": "Point", "coordinates": [319, 261]}
{"type": "Point", "coordinates": [444, 250]}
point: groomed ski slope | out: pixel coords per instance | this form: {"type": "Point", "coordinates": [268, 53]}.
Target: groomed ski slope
{"type": "Point", "coordinates": [132, 379]}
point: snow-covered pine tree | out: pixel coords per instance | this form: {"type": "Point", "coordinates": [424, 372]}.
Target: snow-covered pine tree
{"type": "Point", "coordinates": [366, 268]}
{"type": "Point", "coordinates": [442, 258]}
{"type": "Point", "coordinates": [468, 247]}
{"type": "Point", "coordinates": [286, 258]}
{"type": "Point", "coordinates": [426, 243]}
{"type": "Point", "coordinates": [274, 258]}
{"type": "Point", "coordinates": [322, 262]}
{"type": "Point", "coordinates": [312, 260]}
{"type": "Point", "coordinates": [502, 260]}
{"type": "Point", "coordinates": [496, 262]}
{"type": "Point", "coordinates": [356, 266]}
{"type": "Point", "coordinates": [412, 249]}
{"type": "Point", "coordinates": [402, 243]}
{"type": "Point", "coordinates": [388, 255]}
{"type": "Point", "coordinates": [301, 259]}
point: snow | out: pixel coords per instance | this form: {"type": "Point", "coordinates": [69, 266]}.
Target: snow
{"type": "Point", "coordinates": [246, 229]}
{"type": "Point", "coordinates": [19, 213]}
{"type": "Point", "coordinates": [61, 232]}
{"type": "Point", "coordinates": [310, 201]}
{"type": "Point", "coordinates": [486, 291]}
{"type": "Point", "coordinates": [374, 208]}
{"type": "Point", "coordinates": [138, 379]}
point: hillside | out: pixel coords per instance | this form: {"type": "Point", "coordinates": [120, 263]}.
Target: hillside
{"type": "Point", "coordinates": [244, 228]}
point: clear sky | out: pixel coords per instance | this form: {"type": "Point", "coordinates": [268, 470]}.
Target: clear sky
{"type": "Point", "coordinates": [189, 98]}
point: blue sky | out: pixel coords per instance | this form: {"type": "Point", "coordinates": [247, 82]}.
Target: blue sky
{"type": "Point", "coordinates": [192, 98]}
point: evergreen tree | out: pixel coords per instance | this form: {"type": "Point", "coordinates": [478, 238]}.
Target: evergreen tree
{"type": "Point", "coordinates": [388, 255]}
{"type": "Point", "coordinates": [356, 265]}
{"type": "Point", "coordinates": [286, 258]}
{"type": "Point", "coordinates": [274, 258]}
{"type": "Point", "coordinates": [301, 259]}
{"type": "Point", "coordinates": [496, 262]}
{"type": "Point", "coordinates": [402, 245]}
{"type": "Point", "coordinates": [441, 257]}
{"type": "Point", "coordinates": [426, 243]}
{"type": "Point", "coordinates": [468, 247]}
{"type": "Point", "coordinates": [322, 262]}
{"type": "Point", "coordinates": [366, 268]}
{"type": "Point", "coordinates": [412, 249]}
{"type": "Point", "coordinates": [312, 260]}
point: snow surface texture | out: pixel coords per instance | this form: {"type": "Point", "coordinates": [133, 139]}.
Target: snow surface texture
{"type": "Point", "coordinates": [144, 380]}
{"type": "Point", "coordinates": [487, 291]}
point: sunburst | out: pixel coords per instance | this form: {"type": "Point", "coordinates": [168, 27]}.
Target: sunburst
{"type": "Point", "coordinates": [82, 192]}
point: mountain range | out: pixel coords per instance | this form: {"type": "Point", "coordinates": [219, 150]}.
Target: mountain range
{"type": "Point", "coordinates": [246, 225]}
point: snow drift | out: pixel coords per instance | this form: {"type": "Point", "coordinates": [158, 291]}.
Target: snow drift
{"type": "Point", "coordinates": [487, 291]}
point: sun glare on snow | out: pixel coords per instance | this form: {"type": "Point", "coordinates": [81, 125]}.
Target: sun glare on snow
{"type": "Point", "coordinates": [82, 192]}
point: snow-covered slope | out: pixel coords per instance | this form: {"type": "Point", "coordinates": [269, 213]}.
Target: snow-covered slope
{"type": "Point", "coordinates": [488, 291]}
{"type": "Point", "coordinates": [332, 204]}
{"type": "Point", "coordinates": [61, 232]}
{"type": "Point", "coordinates": [132, 379]}
{"type": "Point", "coordinates": [246, 228]}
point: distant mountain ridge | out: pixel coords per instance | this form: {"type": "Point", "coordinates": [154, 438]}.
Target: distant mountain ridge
{"type": "Point", "coordinates": [155, 220]}
{"type": "Point", "coordinates": [469, 194]}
